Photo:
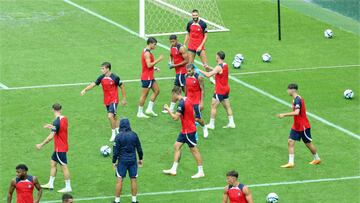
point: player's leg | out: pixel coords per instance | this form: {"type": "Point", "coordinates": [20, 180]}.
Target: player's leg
{"type": "Point", "coordinates": [227, 106]}
{"type": "Point", "coordinates": [191, 56]}
{"type": "Point", "coordinates": [112, 119]}
{"type": "Point", "coordinates": [200, 120]}
{"type": "Point", "coordinates": [63, 162]}
{"type": "Point", "coordinates": [53, 170]}
{"type": "Point", "coordinates": [306, 137]}
{"type": "Point", "coordinates": [133, 175]}
{"type": "Point", "coordinates": [120, 173]}
{"type": "Point", "coordinates": [203, 58]}
{"type": "Point", "coordinates": [156, 91]}
{"type": "Point", "coordinates": [214, 104]}
{"type": "Point", "coordinates": [143, 95]}
{"type": "Point", "coordinates": [291, 150]}
{"type": "Point", "coordinates": [177, 153]}
{"type": "Point", "coordinates": [173, 99]}
{"type": "Point", "coordinates": [191, 141]}
{"type": "Point", "coordinates": [118, 189]}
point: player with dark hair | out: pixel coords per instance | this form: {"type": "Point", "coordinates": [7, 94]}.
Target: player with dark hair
{"type": "Point", "coordinates": [178, 60]}
{"type": "Point", "coordinates": [24, 185]}
{"type": "Point", "coordinates": [235, 191]}
{"type": "Point", "coordinates": [110, 83]}
{"type": "Point", "coordinates": [185, 112]}
{"type": "Point", "coordinates": [148, 81]}
{"type": "Point", "coordinates": [300, 128]}
{"type": "Point", "coordinates": [222, 90]}
{"type": "Point", "coordinates": [58, 132]}
{"type": "Point", "coordinates": [67, 198]}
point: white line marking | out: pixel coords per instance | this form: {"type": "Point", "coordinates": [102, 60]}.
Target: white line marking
{"type": "Point", "coordinates": [297, 69]}
{"type": "Point", "coordinates": [216, 188]}
{"type": "Point", "coordinates": [2, 86]}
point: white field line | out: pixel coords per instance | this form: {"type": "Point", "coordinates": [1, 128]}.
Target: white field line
{"type": "Point", "coordinates": [347, 132]}
{"type": "Point", "coordinates": [2, 86]}
{"type": "Point", "coordinates": [216, 188]}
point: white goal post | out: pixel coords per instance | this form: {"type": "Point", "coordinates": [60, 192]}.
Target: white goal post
{"type": "Point", "coordinates": [166, 17]}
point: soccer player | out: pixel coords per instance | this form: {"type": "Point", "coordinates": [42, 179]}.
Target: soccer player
{"type": "Point", "coordinates": [110, 83]}
{"type": "Point", "coordinates": [178, 60]}
{"type": "Point", "coordinates": [300, 128]}
{"type": "Point", "coordinates": [127, 143]}
{"type": "Point", "coordinates": [195, 39]}
{"type": "Point", "coordinates": [67, 198]}
{"type": "Point", "coordinates": [235, 191]}
{"type": "Point", "coordinates": [24, 185]}
{"type": "Point", "coordinates": [195, 92]}
{"type": "Point", "coordinates": [147, 78]}
{"type": "Point", "coordinates": [185, 112]}
{"type": "Point", "coordinates": [58, 132]}
{"type": "Point", "coordinates": [222, 90]}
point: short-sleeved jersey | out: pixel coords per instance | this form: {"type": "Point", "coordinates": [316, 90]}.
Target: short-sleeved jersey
{"type": "Point", "coordinates": [236, 194]}
{"type": "Point", "coordinates": [196, 33]}
{"type": "Point", "coordinates": [301, 121]}
{"type": "Point", "coordinates": [177, 58]}
{"type": "Point", "coordinates": [193, 89]}
{"type": "Point", "coordinates": [222, 80]}
{"type": "Point", "coordinates": [110, 87]}
{"type": "Point", "coordinates": [60, 128]}
{"type": "Point", "coordinates": [187, 117]}
{"type": "Point", "coordinates": [147, 72]}
{"type": "Point", "coordinates": [24, 190]}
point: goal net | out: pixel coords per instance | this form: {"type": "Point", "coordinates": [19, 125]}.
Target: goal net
{"type": "Point", "coordinates": [165, 17]}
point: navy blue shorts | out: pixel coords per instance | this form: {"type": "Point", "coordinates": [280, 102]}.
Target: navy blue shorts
{"type": "Point", "coordinates": [189, 139]}
{"type": "Point", "coordinates": [304, 135]}
{"type": "Point", "coordinates": [147, 83]}
{"type": "Point", "coordinates": [179, 80]}
{"type": "Point", "coordinates": [124, 167]}
{"type": "Point", "coordinates": [221, 97]}
{"type": "Point", "coordinates": [195, 52]}
{"type": "Point", "coordinates": [112, 108]}
{"type": "Point", "coordinates": [197, 111]}
{"type": "Point", "coordinates": [59, 157]}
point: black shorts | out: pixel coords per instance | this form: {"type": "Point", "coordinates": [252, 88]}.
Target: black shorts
{"type": "Point", "coordinates": [304, 135]}
{"type": "Point", "coordinates": [197, 111]}
{"type": "Point", "coordinates": [189, 139]}
{"type": "Point", "coordinates": [112, 108]}
{"type": "Point", "coordinates": [123, 167]}
{"type": "Point", "coordinates": [221, 97]}
{"type": "Point", "coordinates": [179, 80]}
{"type": "Point", "coordinates": [147, 83]}
{"type": "Point", "coordinates": [195, 52]}
{"type": "Point", "coordinates": [59, 157]}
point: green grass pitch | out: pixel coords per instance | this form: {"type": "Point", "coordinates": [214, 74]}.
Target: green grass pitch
{"type": "Point", "coordinates": [46, 42]}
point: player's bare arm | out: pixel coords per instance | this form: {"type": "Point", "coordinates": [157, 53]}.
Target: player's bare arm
{"type": "Point", "coordinates": [247, 194]}
{"type": "Point", "coordinates": [89, 87]}
{"type": "Point", "coordinates": [38, 187]}
{"type": "Point", "coordinates": [184, 55]}
{"type": "Point", "coordinates": [47, 140]}
{"type": "Point", "coordinates": [150, 64]}
{"type": "Point", "coordinates": [175, 116]}
{"type": "Point", "coordinates": [123, 93]}
{"type": "Point", "coordinates": [186, 41]}
{"type": "Point", "coordinates": [225, 196]}
{"type": "Point", "coordinates": [213, 72]}
{"type": "Point", "coordinates": [202, 87]}
{"type": "Point", "coordinates": [202, 43]}
{"type": "Point", "coordinates": [11, 191]}
{"type": "Point", "coordinates": [293, 113]}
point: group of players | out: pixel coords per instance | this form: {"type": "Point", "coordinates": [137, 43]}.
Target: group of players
{"type": "Point", "coordinates": [188, 92]}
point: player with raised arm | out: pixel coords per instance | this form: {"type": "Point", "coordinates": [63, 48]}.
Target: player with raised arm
{"type": "Point", "coordinates": [148, 81]}
{"type": "Point", "coordinates": [178, 60]}
{"type": "Point", "coordinates": [58, 132]}
{"type": "Point", "coordinates": [195, 92]}
{"type": "Point", "coordinates": [24, 185]}
{"type": "Point", "coordinates": [300, 128]}
{"type": "Point", "coordinates": [110, 83]}
{"type": "Point", "coordinates": [185, 112]}
{"type": "Point", "coordinates": [222, 90]}
{"type": "Point", "coordinates": [235, 191]}
{"type": "Point", "coordinates": [196, 38]}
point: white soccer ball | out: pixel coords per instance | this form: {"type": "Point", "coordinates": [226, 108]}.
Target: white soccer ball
{"type": "Point", "coordinates": [272, 198]}
{"type": "Point", "coordinates": [236, 64]}
{"type": "Point", "coordinates": [266, 57]}
{"type": "Point", "coordinates": [328, 33]}
{"type": "Point", "coordinates": [238, 59]}
{"type": "Point", "coordinates": [105, 150]}
{"type": "Point", "coordinates": [348, 94]}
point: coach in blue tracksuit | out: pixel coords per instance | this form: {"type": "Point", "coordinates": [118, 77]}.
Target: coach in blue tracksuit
{"type": "Point", "coordinates": [126, 144]}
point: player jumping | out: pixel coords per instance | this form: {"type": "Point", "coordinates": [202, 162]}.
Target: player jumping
{"type": "Point", "coordinates": [59, 132]}
{"type": "Point", "coordinates": [110, 83]}
{"type": "Point", "coordinates": [185, 112]}
{"type": "Point", "coordinates": [300, 128]}
{"type": "Point", "coordinates": [147, 78]}
{"type": "Point", "coordinates": [178, 60]}
{"type": "Point", "coordinates": [24, 185]}
{"type": "Point", "coordinates": [222, 90]}
{"type": "Point", "coordinates": [235, 191]}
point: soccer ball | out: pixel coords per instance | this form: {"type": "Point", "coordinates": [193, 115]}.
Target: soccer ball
{"type": "Point", "coordinates": [238, 59]}
{"type": "Point", "coordinates": [272, 198]}
{"type": "Point", "coordinates": [105, 150]}
{"type": "Point", "coordinates": [348, 94]}
{"type": "Point", "coordinates": [266, 57]}
{"type": "Point", "coordinates": [328, 33]}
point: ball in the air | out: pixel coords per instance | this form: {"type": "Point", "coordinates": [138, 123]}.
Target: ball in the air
{"type": "Point", "coordinates": [272, 198]}
{"type": "Point", "coordinates": [105, 150]}
{"type": "Point", "coordinates": [266, 57]}
{"type": "Point", "coordinates": [348, 94]}
{"type": "Point", "coordinates": [328, 33]}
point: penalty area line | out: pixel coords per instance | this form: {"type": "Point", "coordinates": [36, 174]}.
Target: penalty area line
{"type": "Point", "coordinates": [215, 188]}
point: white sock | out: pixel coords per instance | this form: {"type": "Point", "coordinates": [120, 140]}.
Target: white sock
{"type": "Point", "coordinates": [113, 131]}
{"type": "Point", "coordinates": [140, 110]}
{"type": "Point", "coordinates": [212, 122]}
{"type": "Point", "coordinates": [117, 199]}
{"type": "Point", "coordinates": [231, 120]}
{"type": "Point", "coordinates": [172, 106]}
{"type": "Point", "coordinates": [133, 198]}
{"type": "Point", "coordinates": [51, 181]}
{"type": "Point", "coordinates": [150, 105]}
{"type": "Point", "coordinates": [316, 156]}
{"type": "Point", "coordinates": [116, 130]}
{"type": "Point", "coordinates": [174, 166]}
{"type": "Point", "coordinates": [291, 158]}
{"type": "Point", "coordinates": [67, 184]}
{"type": "Point", "coordinates": [200, 169]}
